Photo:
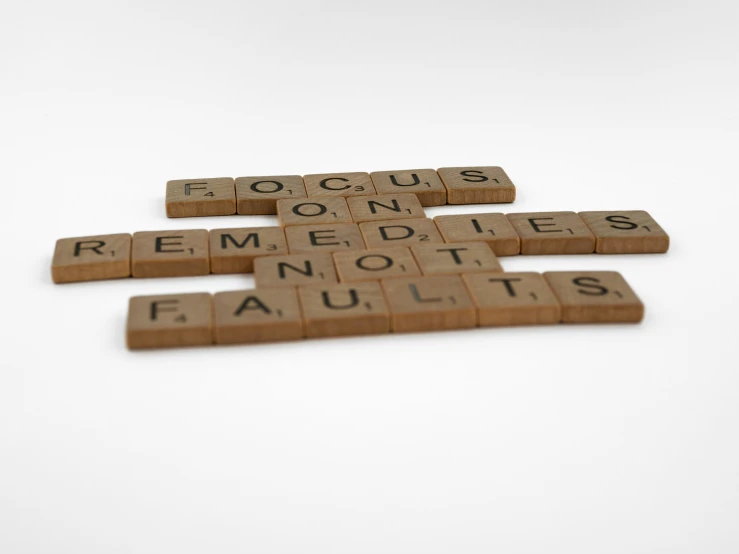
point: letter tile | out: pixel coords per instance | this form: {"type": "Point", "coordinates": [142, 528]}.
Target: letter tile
{"type": "Point", "coordinates": [493, 228]}
{"type": "Point", "coordinates": [399, 232]}
{"type": "Point", "coordinates": [512, 299]}
{"type": "Point", "coordinates": [169, 320]}
{"type": "Point", "coordinates": [424, 183]}
{"type": "Point", "coordinates": [323, 238]}
{"type": "Point", "coordinates": [339, 184]}
{"type": "Point", "coordinates": [451, 259]}
{"type": "Point", "coordinates": [170, 253]}
{"type": "Point", "coordinates": [257, 315]}
{"type": "Point", "coordinates": [313, 211]}
{"type": "Point", "coordinates": [92, 258]}
{"type": "Point", "coordinates": [373, 265]}
{"type": "Point", "coordinates": [201, 197]}
{"type": "Point", "coordinates": [384, 207]}
{"type": "Point", "coordinates": [595, 297]}
{"type": "Point", "coordinates": [294, 269]}
{"type": "Point", "coordinates": [234, 250]}
{"type": "Point", "coordinates": [344, 309]}
{"type": "Point", "coordinates": [429, 303]}
{"type": "Point", "coordinates": [259, 195]}
{"type": "Point", "coordinates": [552, 233]}
{"type": "Point", "coordinates": [626, 232]}
{"type": "Point", "coordinates": [477, 185]}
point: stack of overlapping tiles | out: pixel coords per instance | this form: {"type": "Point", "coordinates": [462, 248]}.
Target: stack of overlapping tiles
{"type": "Point", "coordinates": [355, 254]}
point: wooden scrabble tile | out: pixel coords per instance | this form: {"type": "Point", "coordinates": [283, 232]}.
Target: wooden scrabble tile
{"type": "Point", "coordinates": [595, 297]}
{"type": "Point", "coordinates": [428, 303]}
{"type": "Point", "coordinates": [339, 184]}
{"type": "Point", "coordinates": [454, 259]}
{"type": "Point", "coordinates": [313, 211]}
{"type": "Point", "coordinates": [424, 183]}
{"type": "Point", "coordinates": [344, 309]}
{"type": "Point", "coordinates": [201, 197]}
{"type": "Point", "coordinates": [259, 195]}
{"type": "Point", "coordinates": [626, 232]}
{"type": "Point", "coordinates": [91, 258]}
{"type": "Point", "coordinates": [383, 207]}
{"type": "Point", "coordinates": [294, 269]}
{"type": "Point", "coordinates": [495, 229]}
{"type": "Point", "coordinates": [512, 299]}
{"type": "Point", "coordinates": [552, 233]}
{"type": "Point", "coordinates": [399, 232]}
{"type": "Point", "coordinates": [234, 250]}
{"type": "Point", "coordinates": [169, 320]}
{"type": "Point", "coordinates": [477, 185]}
{"type": "Point", "coordinates": [373, 265]}
{"type": "Point", "coordinates": [170, 253]}
{"type": "Point", "coordinates": [324, 238]}
{"type": "Point", "coordinates": [257, 315]}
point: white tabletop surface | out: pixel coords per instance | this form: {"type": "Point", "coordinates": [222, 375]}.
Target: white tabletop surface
{"type": "Point", "coordinates": [572, 439]}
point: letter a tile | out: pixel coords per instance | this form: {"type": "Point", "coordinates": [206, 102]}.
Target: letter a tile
{"type": "Point", "coordinates": [257, 315]}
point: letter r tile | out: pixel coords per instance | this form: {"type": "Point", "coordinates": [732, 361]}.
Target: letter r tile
{"type": "Point", "coordinates": [92, 258]}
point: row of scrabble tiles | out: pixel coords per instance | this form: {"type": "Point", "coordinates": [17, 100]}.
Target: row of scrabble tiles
{"type": "Point", "coordinates": [408, 304]}
{"type": "Point", "coordinates": [259, 195]}
{"type": "Point", "coordinates": [199, 252]}
{"type": "Point", "coordinates": [352, 266]}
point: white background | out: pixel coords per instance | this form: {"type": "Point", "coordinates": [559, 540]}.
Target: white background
{"type": "Point", "coordinates": [572, 439]}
